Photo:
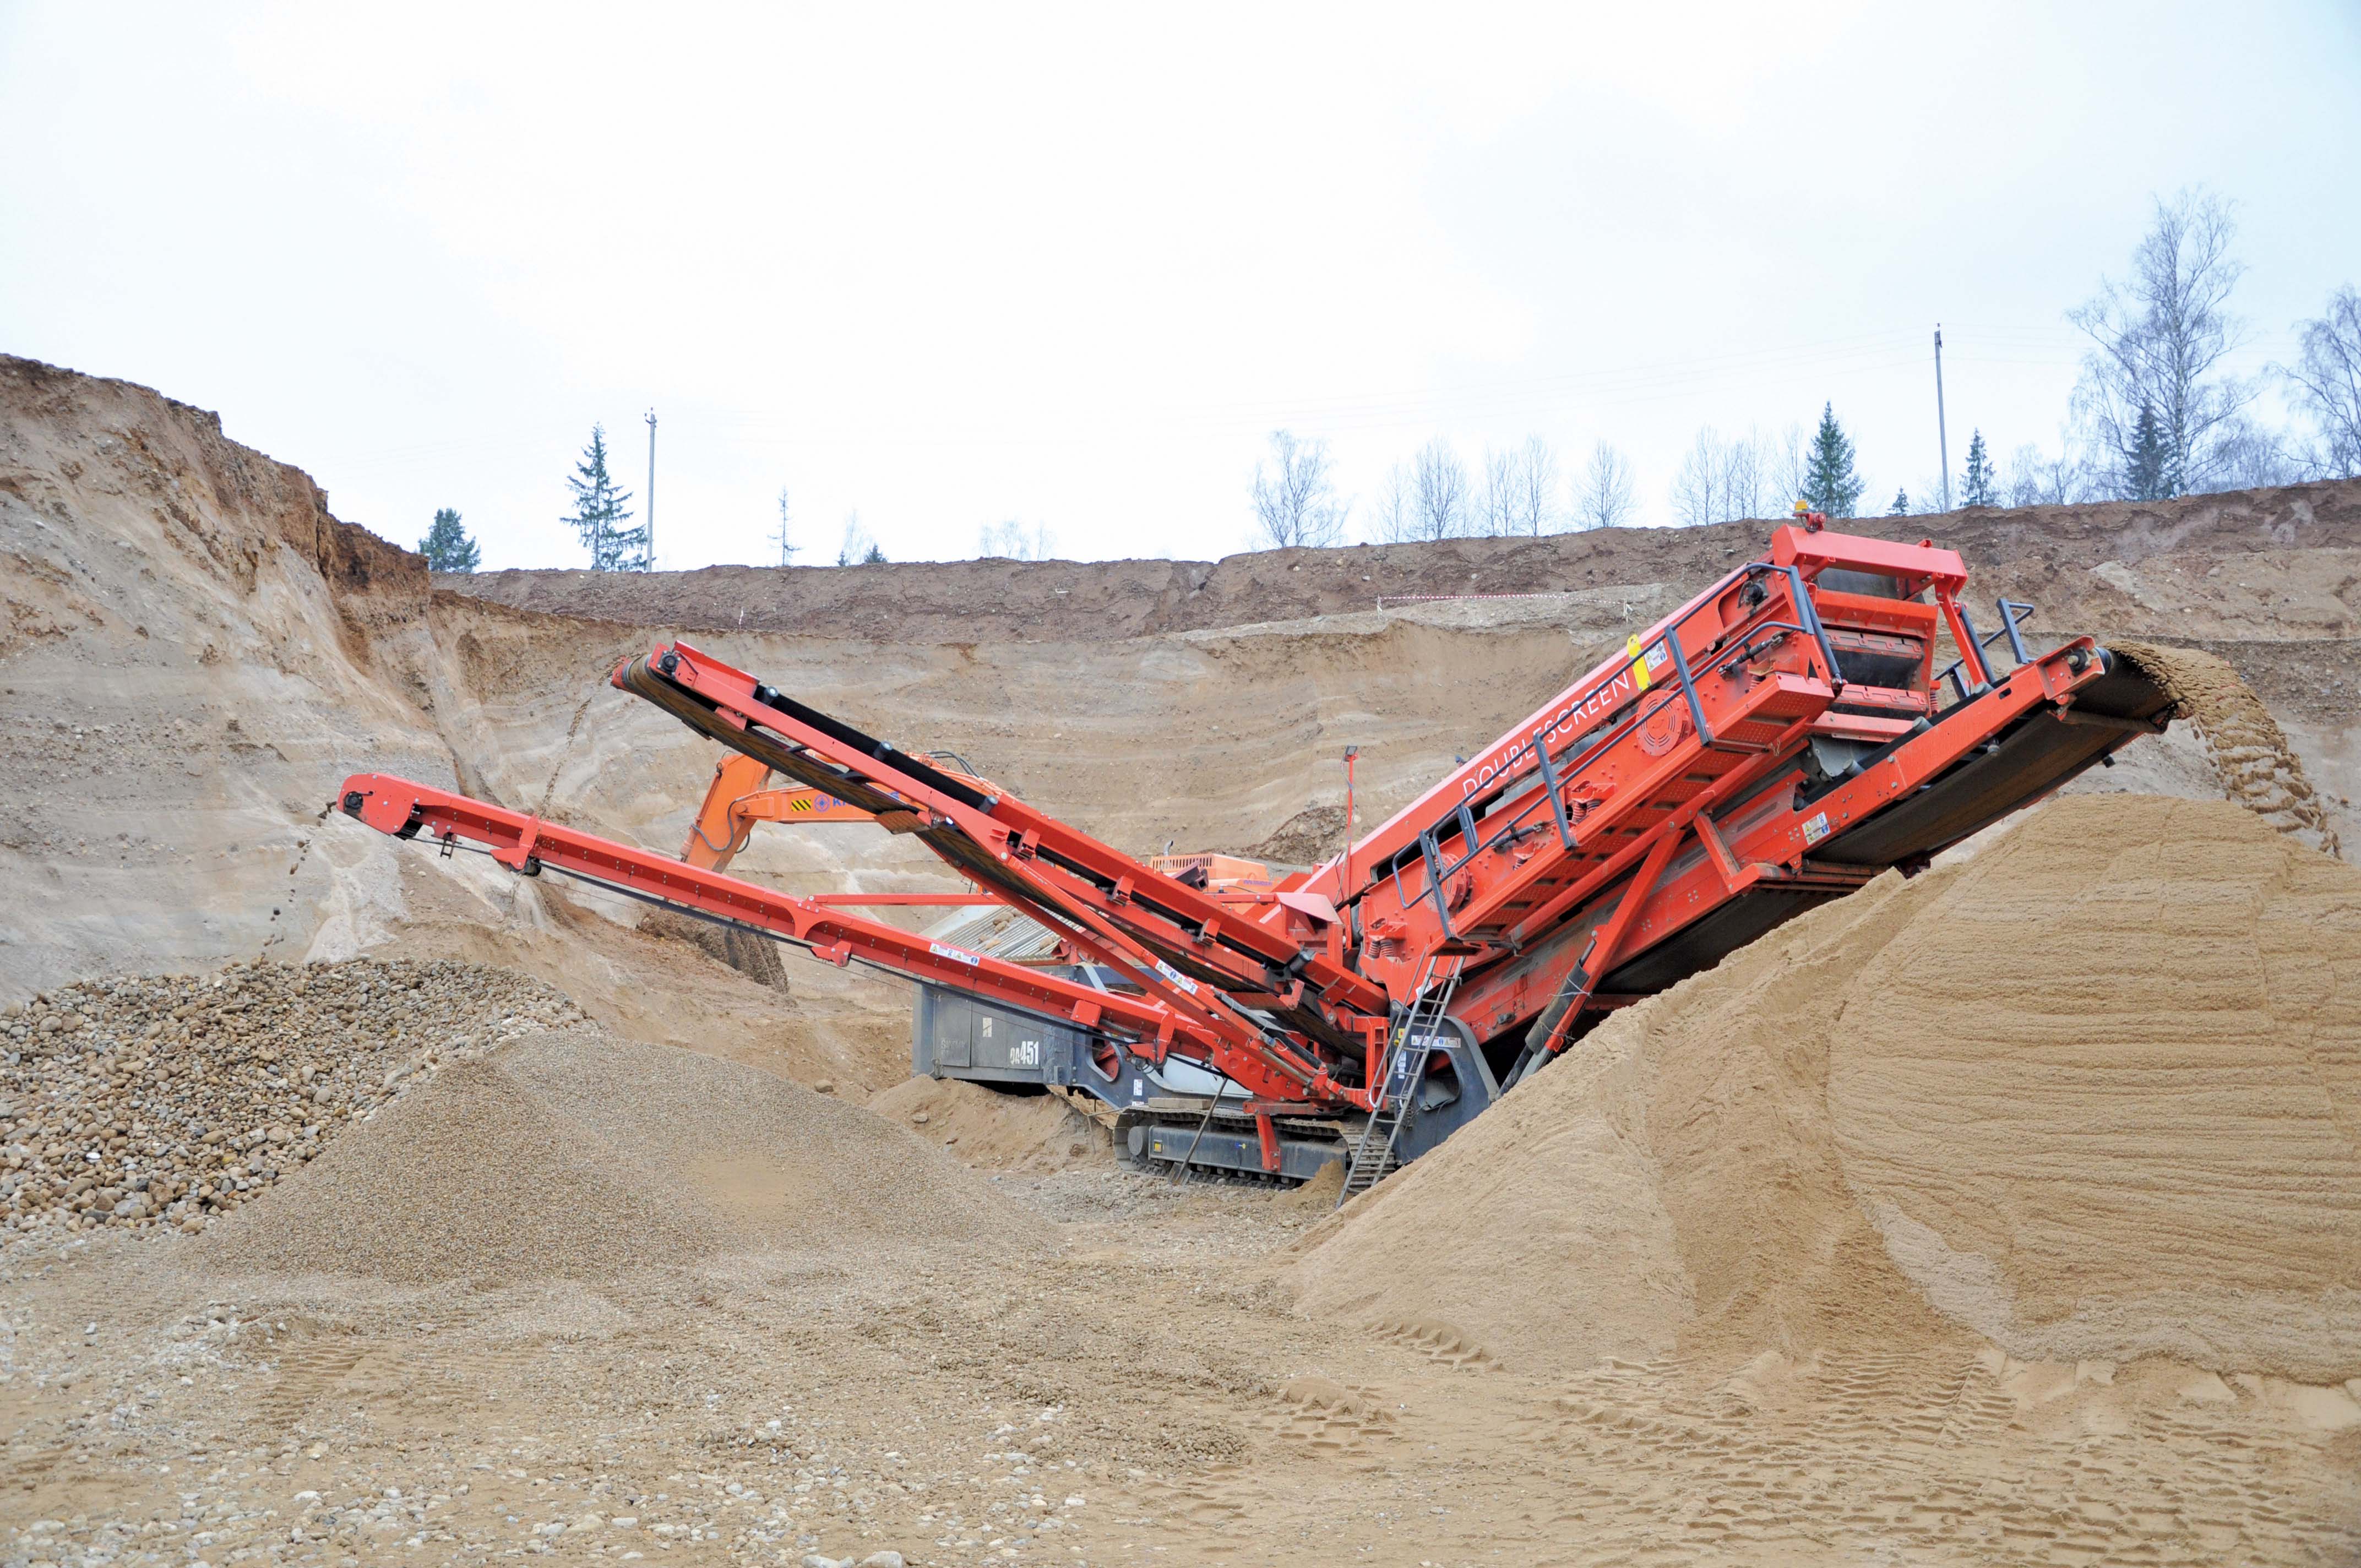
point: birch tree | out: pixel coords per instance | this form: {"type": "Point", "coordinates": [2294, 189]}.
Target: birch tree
{"type": "Point", "coordinates": [2159, 338]}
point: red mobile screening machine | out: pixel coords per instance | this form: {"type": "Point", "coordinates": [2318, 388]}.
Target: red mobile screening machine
{"type": "Point", "coordinates": [1775, 742]}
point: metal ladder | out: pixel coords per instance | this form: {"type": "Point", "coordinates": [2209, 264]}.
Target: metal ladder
{"type": "Point", "coordinates": [1401, 1074]}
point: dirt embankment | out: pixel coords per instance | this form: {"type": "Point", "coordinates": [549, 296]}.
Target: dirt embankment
{"type": "Point", "coordinates": [68, 446]}
{"type": "Point", "coordinates": [2071, 561]}
{"type": "Point", "coordinates": [189, 648]}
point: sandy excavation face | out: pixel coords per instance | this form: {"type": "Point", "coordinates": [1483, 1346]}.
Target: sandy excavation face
{"type": "Point", "coordinates": [2003, 1215]}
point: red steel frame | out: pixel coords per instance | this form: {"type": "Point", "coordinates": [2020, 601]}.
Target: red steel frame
{"type": "Point", "coordinates": [1642, 799]}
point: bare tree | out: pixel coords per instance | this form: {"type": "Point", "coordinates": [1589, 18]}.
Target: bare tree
{"type": "Point", "coordinates": [2250, 457]}
{"type": "Point", "coordinates": [2325, 381]}
{"type": "Point", "coordinates": [1520, 494]}
{"type": "Point", "coordinates": [1787, 457]}
{"type": "Point", "coordinates": [1604, 499]}
{"type": "Point", "coordinates": [1394, 518]}
{"type": "Point", "coordinates": [1295, 503]}
{"type": "Point", "coordinates": [2159, 338]}
{"type": "Point", "coordinates": [1492, 511]}
{"type": "Point", "coordinates": [1697, 483]}
{"type": "Point", "coordinates": [860, 545]}
{"type": "Point", "coordinates": [783, 537]}
{"type": "Point", "coordinates": [1745, 476]}
{"type": "Point", "coordinates": [2036, 480]}
{"type": "Point", "coordinates": [1720, 480]}
{"type": "Point", "coordinates": [1439, 498]}
{"type": "Point", "coordinates": [1013, 541]}
{"type": "Point", "coordinates": [1532, 491]}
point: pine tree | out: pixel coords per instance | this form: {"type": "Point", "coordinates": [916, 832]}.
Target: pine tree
{"type": "Point", "coordinates": [1901, 507]}
{"type": "Point", "coordinates": [1979, 488]}
{"type": "Point", "coordinates": [1829, 483]}
{"type": "Point", "coordinates": [876, 556]}
{"type": "Point", "coordinates": [600, 512]}
{"type": "Point", "coordinates": [446, 545]}
{"type": "Point", "coordinates": [2148, 475]}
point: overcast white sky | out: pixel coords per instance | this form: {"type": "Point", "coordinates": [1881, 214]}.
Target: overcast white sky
{"type": "Point", "coordinates": [951, 267]}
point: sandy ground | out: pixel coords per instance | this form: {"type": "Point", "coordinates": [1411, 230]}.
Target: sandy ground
{"type": "Point", "coordinates": [741, 1304]}
{"type": "Point", "coordinates": [1141, 1393]}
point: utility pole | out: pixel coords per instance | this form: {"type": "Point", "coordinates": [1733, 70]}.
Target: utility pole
{"type": "Point", "coordinates": [1942, 437]}
{"type": "Point", "coordinates": [1345, 886]}
{"type": "Point", "coordinates": [651, 487]}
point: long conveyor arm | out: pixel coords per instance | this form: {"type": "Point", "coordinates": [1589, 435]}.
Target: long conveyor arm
{"type": "Point", "coordinates": [529, 845]}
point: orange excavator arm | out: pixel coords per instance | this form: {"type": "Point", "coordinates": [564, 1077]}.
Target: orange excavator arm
{"type": "Point", "coordinates": [739, 797]}
{"type": "Point", "coordinates": [718, 831]}
{"type": "Point", "coordinates": [736, 800]}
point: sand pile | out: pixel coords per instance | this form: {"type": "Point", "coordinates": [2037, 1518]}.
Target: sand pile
{"type": "Point", "coordinates": [165, 1098]}
{"type": "Point", "coordinates": [2259, 770]}
{"type": "Point", "coordinates": [756, 958]}
{"type": "Point", "coordinates": [2093, 1093]}
{"type": "Point", "coordinates": [792, 1168]}
{"type": "Point", "coordinates": [983, 1127]}
{"type": "Point", "coordinates": [571, 1154]}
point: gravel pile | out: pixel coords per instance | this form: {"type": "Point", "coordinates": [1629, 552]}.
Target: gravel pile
{"type": "Point", "coordinates": [167, 1100]}
{"type": "Point", "coordinates": [469, 1177]}
{"type": "Point", "coordinates": [566, 1154]}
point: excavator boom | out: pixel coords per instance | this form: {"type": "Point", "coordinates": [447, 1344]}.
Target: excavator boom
{"type": "Point", "coordinates": [737, 800]}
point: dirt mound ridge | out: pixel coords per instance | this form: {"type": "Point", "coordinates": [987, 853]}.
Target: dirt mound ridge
{"type": "Point", "coordinates": [571, 1154]}
{"type": "Point", "coordinates": [2092, 1093]}
{"type": "Point", "coordinates": [981, 1126]}
{"type": "Point", "coordinates": [2259, 770]}
{"type": "Point", "coordinates": [2054, 555]}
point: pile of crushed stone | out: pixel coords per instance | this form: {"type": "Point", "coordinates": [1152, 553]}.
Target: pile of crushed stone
{"type": "Point", "coordinates": [165, 1100]}
{"type": "Point", "coordinates": [2089, 1093]}
{"type": "Point", "coordinates": [569, 1153]}
{"type": "Point", "coordinates": [467, 1177]}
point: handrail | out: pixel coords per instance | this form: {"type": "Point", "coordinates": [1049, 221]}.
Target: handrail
{"type": "Point", "coordinates": [1671, 629]}
{"type": "Point", "coordinates": [2013, 615]}
{"type": "Point", "coordinates": [1808, 624]}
